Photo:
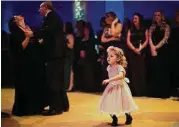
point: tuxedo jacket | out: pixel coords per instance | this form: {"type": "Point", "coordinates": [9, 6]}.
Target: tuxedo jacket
{"type": "Point", "coordinates": [52, 34]}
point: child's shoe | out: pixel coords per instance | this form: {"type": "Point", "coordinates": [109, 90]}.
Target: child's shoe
{"type": "Point", "coordinates": [128, 119]}
{"type": "Point", "coordinates": [115, 121]}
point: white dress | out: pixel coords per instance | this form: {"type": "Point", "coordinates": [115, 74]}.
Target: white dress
{"type": "Point", "coordinates": [120, 100]}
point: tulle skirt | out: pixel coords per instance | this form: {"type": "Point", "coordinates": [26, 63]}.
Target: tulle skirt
{"type": "Point", "coordinates": [118, 101]}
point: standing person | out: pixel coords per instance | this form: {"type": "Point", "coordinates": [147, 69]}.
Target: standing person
{"type": "Point", "coordinates": [111, 35]}
{"type": "Point", "coordinates": [86, 66]}
{"type": "Point", "coordinates": [28, 68]}
{"type": "Point", "coordinates": [137, 40]}
{"type": "Point", "coordinates": [51, 33]}
{"type": "Point", "coordinates": [117, 98]}
{"type": "Point", "coordinates": [69, 74]}
{"type": "Point", "coordinates": [174, 48]}
{"type": "Point", "coordinates": [79, 35]}
{"type": "Point", "coordinates": [159, 33]}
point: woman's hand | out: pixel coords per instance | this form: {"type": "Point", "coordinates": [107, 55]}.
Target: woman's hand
{"type": "Point", "coordinates": [82, 54]}
{"type": "Point", "coordinates": [115, 21]}
{"type": "Point", "coordinates": [153, 51]}
{"type": "Point", "coordinates": [40, 41]}
{"type": "Point", "coordinates": [137, 51]}
{"type": "Point", "coordinates": [100, 47]}
{"type": "Point", "coordinates": [29, 33]}
{"type": "Point", "coordinates": [153, 48]}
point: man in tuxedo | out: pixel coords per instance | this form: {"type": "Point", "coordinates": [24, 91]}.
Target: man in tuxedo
{"type": "Point", "coordinates": [51, 34]}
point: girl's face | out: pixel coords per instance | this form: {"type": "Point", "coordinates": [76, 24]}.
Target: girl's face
{"type": "Point", "coordinates": [158, 16]}
{"type": "Point", "coordinates": [136, 20]}
{"type": "Point", "coordinates": [112, 58]}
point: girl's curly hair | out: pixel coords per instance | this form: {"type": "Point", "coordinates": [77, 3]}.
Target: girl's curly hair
{"type": "Point", "coordinates": [120, 54]}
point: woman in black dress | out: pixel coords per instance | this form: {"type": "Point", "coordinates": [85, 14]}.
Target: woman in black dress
{"type": "Point", "coordinates": [158, 39]}
{"type": "Point", "coordinates": [87, 62]}
{"type": "Point", "coordinates": [111, 36]}
{"type": "Point", "coordinates": [69, 74]}
{"type": "Point", "coordinates": [28, 67]}
{"type": "Point", "coordinates": [137, 40]}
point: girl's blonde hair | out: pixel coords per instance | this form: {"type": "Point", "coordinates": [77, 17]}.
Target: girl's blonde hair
{"type": "Point", "coordinates": [120, 55]}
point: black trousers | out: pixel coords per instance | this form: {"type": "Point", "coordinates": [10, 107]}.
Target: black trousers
{"type": "Point", "coordinates": [56, 92]}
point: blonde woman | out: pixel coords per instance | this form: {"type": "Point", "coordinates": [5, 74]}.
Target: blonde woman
{"type": "Point", "coordinates": [159, 33]}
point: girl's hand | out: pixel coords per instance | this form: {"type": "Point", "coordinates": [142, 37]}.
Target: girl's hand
{"type": "Point", "coordinates": [105, 82]}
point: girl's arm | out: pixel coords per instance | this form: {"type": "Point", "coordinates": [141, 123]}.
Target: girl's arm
{"type": "Point", "coordinates": [120, 76]}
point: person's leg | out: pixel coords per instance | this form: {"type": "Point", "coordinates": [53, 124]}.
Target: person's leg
{"type": "Point", "coordinates": [53, 79]}
{"type": "Point", "coordinates": [115, 120]}
{"type": "Point", "coordinates": [71, 81]}
{"type": "Point", "coordinates": [62, 102]}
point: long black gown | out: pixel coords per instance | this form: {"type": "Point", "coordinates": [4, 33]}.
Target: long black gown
{"type": "Point", "coordinates": [85, 68]}
{"type": "Point", "coordinates": [137, 63]}
{"type": "Point", "coordinates": [159, 69]}
{"type": "Point", "coordinates": [174, 54]}
{"type": "Point", "coordinates": [28, 67]}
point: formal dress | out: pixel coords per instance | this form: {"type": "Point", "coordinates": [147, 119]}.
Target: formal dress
{"type": "Point", "coordinates": [29, 75]}
{"type": "Point", "coordinates": [85, 69]}
{"type": "Point", "coordinates": [119, 101]}
{"type": "Point", "coordinates": [174, 54]}
{"type": "Point", "coordinates": [159, 69]}
{"type": "Point", "coordinates": [137, 65]}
